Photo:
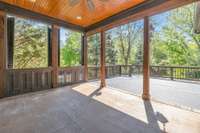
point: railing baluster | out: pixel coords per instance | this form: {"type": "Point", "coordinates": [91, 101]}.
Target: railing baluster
{"type": "Point", "coordinates": [171, 71]}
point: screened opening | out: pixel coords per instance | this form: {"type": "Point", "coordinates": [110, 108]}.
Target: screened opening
{"type": "Point", "coordinates": [124, 57]}
{"type": "Point", "coordinates": [93, 56]}
{"type": "Point", "coordinates": [175, 56]}
{"type": "Point", "coordinates": [27, 43]}
{"type": "Point", "coordinates": [70, 48]}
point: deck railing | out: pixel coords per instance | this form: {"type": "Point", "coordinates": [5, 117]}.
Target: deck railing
{"type": "Point", "coordinates": [93, 72]}
{"type": "Point", "coordinates": [70, 75]}
{"type": "Point", "coordinates": [170, 72]}
{"type": "Point", "coordinates": [19, 81]}
{"type": "Point", "coordinates": [176, 72]}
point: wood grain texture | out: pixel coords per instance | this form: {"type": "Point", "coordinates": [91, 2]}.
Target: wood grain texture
{"type": "Point", "coordinates": [102, 61]}
{"type": "Point", "coordinates": [55, 30]}
{"type": "Point", "coordinates": [146, 62]}
{"type": "Point", "coordinates": [2, 53]}
{"type": "Point", "coordinates": [60, 9]}
{"type": "Point", "coordinates": [85, 56]}
{"type": "Point", "coordinates": [20, 81]}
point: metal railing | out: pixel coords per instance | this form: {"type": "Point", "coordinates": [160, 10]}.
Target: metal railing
{"type": "Point", "coordinates": [170, 72]}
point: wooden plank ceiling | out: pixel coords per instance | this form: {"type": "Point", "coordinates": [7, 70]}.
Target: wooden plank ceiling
{"type": "Point", "coordinates": [61, 9]}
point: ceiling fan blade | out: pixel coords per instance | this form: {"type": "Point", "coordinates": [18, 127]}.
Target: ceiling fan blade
{"type": "Point", "coordinates": [91, 5]}
{"type": "Point", "coordinates": [73, 2]}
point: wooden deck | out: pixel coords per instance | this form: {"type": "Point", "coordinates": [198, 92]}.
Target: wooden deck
{"type": "Point", "coordinates": [85, 108]}
{"type": "Point", "coordinates": [179, 93]}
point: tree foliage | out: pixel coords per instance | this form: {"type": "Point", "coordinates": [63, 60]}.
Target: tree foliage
{"type": "Point", "coordinates": [70, 53]}
{"type": "Point", "coordinates": [94, 50]}
{"type": "Point", "coordinates": [175, 42]}
{"type": "Point", "coordinates": [30, 44]}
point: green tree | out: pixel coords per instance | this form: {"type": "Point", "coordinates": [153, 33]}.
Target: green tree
{"type": "Point", "coordinates": [71, 51]}
{"type": "Point", "coordinates": [110, 50]}
{"type": "Point", "coordinates": [30, 44]}
{"type": "Point", "coordinates": [94, 50]}
{"type": "Point", "coordinates": [176, 43]}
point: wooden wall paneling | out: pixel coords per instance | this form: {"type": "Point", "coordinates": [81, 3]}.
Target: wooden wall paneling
{"type": "Point", "coordinates": [60, 9]}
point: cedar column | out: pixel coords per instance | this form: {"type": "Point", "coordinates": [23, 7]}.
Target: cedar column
{"type": "Point", "coordinates": [55, 43]}
{"type": "Point", "coordinates": [146, 56]}
{"type": "Point", "coordinates": [102, 60]}
{"type": "Point", "coordinates": [85, 56]}
{"type": "Point", "coordinates": [2, 52]}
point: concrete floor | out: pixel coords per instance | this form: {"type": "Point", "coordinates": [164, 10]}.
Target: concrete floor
{"type": "Point", "coordinates": [85, 108]}
{"type": "Point", "coordinates": [179, 93]}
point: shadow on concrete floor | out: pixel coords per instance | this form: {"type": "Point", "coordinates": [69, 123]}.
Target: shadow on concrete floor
{"type": "Point", "coordinates": [153, 117]}
{"type": "Point", "coordinates": [68, 111]}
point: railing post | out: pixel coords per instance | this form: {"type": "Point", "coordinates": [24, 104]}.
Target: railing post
{"type": "Point", "coordinates": [130, 71]}
{"type": "Point", "coordinates": [120, 70]}
{"type": "Point", "coordinates": [55, 45]}
{"type": "Point", "coordinates": [85, 56]}
{"type": "Point", "coordinates": [146, 69]}
{"type": "Point", "coordinates": [171, 73]}
{"type": "Point", "coordinates": [3, 50]}
{"type": "Point", "coordinates": [102, 60]}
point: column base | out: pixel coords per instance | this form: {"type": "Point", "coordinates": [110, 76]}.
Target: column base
{"type": "Point", "coordinates": [146, 97]}
{"type": "Point", "coordinates": [102, 85]}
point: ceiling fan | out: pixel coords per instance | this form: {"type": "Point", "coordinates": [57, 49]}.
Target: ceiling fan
{"type": "Point", "coordinates": [90, 3]}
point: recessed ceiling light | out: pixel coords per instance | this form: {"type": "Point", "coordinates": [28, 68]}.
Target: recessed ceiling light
{"type": "Point", "coordinates": [32, 0]}
{"type": "Point", "coordinates": [79, 17]}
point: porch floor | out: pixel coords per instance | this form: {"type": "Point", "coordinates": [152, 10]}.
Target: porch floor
{"type": "Point", "coordinates": [85, 108]}
{"type": "Point", "coordinates": [179, 93]}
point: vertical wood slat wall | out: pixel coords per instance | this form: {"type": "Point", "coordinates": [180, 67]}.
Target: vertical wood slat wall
{"type": "Point", "coordinates": [21, 81]}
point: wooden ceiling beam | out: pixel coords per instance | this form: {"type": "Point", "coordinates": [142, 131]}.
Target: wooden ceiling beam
{"type": "Point", "coordinates": [15, 10]}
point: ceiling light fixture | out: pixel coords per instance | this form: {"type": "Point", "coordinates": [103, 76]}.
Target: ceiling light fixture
{"type": "Point", "coordinates": [32, 1]}
{"type": "Point", "coordinates": [79, 17]}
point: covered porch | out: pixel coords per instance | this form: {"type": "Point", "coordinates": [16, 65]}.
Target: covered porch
{"type": "Point", "coordinates": [84, 66]}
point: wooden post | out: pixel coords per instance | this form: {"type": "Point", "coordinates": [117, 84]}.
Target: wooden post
{"type": "Point", "coordinates": [146, 56]}
{"type": "Point", "coordinates": [55, 40]}
{"type": "Point", "coordinates": [102, 60]}
{"type": "Point", "coordinates": [10, 40]}
{"type": "Point", "coordinates": [120, 70]}
{"type": "Point", "coordinates": [2, 53]}
{"type": "Point", "coordinates": [85, 56]}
